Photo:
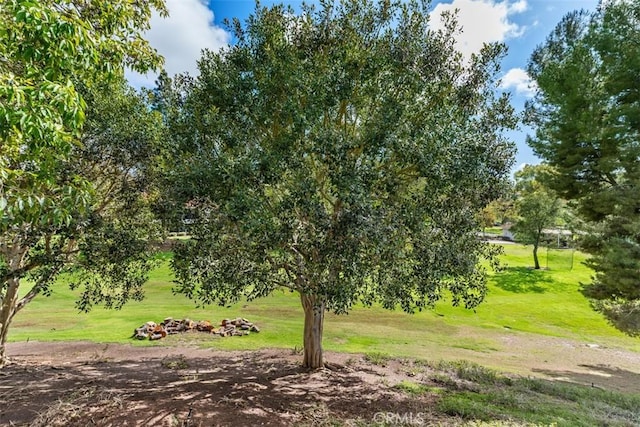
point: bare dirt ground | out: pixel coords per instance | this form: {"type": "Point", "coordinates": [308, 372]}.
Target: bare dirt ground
{"type": "Point", "coordinates": [85, 384]}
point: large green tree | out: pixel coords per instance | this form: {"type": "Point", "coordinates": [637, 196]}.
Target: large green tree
{"type": "Point", "coordinates": [344, 154]}
{"type": "Point", "coordinates": [538, 208]}
{"type": "Point", "coordinates": [63, 188]}
{"type": "Point", "coordinates": [587, 119]}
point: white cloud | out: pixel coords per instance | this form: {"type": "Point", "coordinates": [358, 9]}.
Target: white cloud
{"type": "Point", "coordinates": [181, 37]}
{"type": "Point", "coordinates": [518, 79]}
{"type": "Point", "coordinates": [482, 21]}
{"type": "Point", "coordinates": [518, 7]}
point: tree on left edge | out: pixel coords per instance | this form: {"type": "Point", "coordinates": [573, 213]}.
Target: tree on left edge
{"type": "Point", "coordinates": [76, 145]}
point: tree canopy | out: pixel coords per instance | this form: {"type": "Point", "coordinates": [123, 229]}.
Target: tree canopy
{"type": "Point", "coordinates": [62, 186]}
{"type": "Point", "coordinates": [587, 115]}
{"type": "Point", "coordinates": [344, 154]}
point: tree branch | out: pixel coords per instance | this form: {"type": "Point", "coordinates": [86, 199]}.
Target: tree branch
{"type": "Point", "coordinates": [611, 179]}
{"type": "Point", "coordinates": [27, 298]}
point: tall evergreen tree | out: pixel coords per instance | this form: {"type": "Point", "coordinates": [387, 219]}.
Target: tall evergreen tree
{"type": "Point", "coordinates": [587, 119]}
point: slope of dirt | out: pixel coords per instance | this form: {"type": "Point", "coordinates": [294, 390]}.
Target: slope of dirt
{"type": "Point", "coordinates": [80, 384]}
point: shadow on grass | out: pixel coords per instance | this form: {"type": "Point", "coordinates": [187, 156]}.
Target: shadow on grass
{"type": "Point", "coordinates": [601, 376]}
{"type": "Point", "coordinates": [522, 280]}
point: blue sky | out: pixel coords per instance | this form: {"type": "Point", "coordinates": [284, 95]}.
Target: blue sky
{"type": "Point", "coordinates": [521, 24]}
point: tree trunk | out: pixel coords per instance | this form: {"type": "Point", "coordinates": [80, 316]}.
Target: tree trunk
{"type": "Point", "coordinates": [314, 307]}
{"type": "Point", "coordinates": [9, 301]}
{"type": "Point", "coordinates": [536, 263]}
{"type": "Point", "coordinates": [7, 310]}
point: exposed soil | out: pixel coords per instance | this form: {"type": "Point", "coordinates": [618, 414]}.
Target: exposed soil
{"type": "Point", "coordinates": [83, 384]}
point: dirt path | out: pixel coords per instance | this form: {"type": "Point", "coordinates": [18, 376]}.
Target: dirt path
{"type": "Point", "coordinates": [562, 359]}
{"type": "Point", "coordinates": [82, 383]}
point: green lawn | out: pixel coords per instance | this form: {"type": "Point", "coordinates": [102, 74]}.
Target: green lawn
{"type": "Point", "coordinates": [520, 299]}
{"type": "Point", "coordinates": [496, 231]}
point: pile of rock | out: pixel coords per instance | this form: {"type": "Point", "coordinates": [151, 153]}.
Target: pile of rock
{"type": "Point", "coordinates": [228, 327]}
{"type": "Point", "coordinates": [236, 327]}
